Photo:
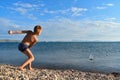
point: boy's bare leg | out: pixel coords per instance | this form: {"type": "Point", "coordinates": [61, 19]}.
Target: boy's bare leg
{"type": "Point", "coordinates": [29, 60]}
{"type": "Point", "coordinates": [30, 66]}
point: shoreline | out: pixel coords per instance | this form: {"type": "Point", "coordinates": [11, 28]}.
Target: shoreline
{"type": "Point", "coordinates": [10, 72]}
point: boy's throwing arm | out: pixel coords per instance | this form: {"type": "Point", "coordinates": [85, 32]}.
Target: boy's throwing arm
{"type": "Point", "coordinates": [18, 31]}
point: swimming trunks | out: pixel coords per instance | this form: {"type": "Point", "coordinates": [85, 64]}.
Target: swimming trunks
{"type": "Point", "coordinates": [22, 47]}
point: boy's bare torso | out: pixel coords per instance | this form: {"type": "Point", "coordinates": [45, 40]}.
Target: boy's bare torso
{"type": "Point", "coordinates": [30, 38]}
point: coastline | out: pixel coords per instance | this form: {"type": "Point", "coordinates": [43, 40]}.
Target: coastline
{"type": "Point", "coordinates": [10, 72]}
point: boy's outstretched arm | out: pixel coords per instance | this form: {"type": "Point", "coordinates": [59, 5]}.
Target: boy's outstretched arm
{"type": "Point", "coordinates": [18, 31]}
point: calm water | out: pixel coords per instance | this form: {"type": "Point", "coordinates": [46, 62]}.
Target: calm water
{"type": "Point", "coordinates": [67, 55]}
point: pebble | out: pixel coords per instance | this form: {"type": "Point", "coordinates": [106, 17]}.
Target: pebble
{"type": "Point", "coordinates": [9, 72]}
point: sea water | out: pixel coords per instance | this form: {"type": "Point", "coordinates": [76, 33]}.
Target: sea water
{"type": "Point", "coordinates": [85, 56]}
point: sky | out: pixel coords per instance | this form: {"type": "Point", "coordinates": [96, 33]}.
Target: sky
{"type": "Point", "coordinates": [62, 20]}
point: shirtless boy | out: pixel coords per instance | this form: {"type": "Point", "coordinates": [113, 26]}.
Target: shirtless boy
{"type": "Point", "coordinates": [28, 41]}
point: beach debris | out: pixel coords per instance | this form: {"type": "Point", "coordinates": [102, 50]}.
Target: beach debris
{"type": "Point", "coordinates": [91, 57]}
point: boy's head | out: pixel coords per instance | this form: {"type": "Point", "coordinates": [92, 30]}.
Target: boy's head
{"type": "Point", "coordinates": [37, 29]}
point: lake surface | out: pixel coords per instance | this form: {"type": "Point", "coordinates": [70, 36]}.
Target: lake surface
{"type": "Point", "coordinates": [85, 56]}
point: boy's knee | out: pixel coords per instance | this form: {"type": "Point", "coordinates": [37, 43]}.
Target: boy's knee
{"type": "Point", "coordinates": [32, 58]}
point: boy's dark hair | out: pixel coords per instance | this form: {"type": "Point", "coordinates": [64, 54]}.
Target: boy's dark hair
{"type": "Point", "coordinates": [37, 27]}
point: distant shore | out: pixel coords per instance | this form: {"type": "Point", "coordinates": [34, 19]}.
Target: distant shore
{"type": "Point", "coordinates": [9, 72]}
{"type": "Point", "coordinates": [7, 40]}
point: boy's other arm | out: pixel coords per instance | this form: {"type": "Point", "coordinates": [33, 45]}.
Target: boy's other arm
{"type": "Point", "coordinates": [18, 31]}
{"type": "Point", "coordinates": [31, 44]}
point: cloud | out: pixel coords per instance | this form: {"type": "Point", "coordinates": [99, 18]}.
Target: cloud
{"type": "Point", "coordinates": [24, 5]}
{"type": "Point", "coordinates": [32, 17]}
{"type": "Point", "coordinates": [20, 10]}
{"type": "Point", "coordinates": [64, 29]}
{"type": "Point", "coordinates": [104, 6]}
{"type": "Point", "coordinates": [57, 11]}
{"type": "Point", "coordinates": [101, 7]}
{"type": "Point", "coordinates": [50, 11]}
{"type": "Point", "coordinates": [75, 11]}
{"type": "Point", "coordinates": [28, 6]}
{"type": "Point", "coordinates": [30, 9]}
{"type": "Point", "coordinates": [109, 4]}
{"type": "Point", "coordinates": [111, 19]}
{"type": "Point", "coordinates": [81, 30]}
{"type": "Point", "coordinates": [26, 9]}
{"type": "Point", "coordinates": [6, 23]}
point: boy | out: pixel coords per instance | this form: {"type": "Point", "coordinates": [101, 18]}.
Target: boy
{"type": "Point", "coordinates": [28, 41]}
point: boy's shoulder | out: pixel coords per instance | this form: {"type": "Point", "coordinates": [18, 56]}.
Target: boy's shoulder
{"type": "Point", "coordinates": [29, 31]}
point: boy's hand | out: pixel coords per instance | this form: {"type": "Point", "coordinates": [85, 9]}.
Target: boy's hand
{"type": "Point", "coordinates": [9, 32]}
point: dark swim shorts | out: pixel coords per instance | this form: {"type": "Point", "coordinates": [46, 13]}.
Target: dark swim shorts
{"type": "Point", "coordinates": [22, 47]}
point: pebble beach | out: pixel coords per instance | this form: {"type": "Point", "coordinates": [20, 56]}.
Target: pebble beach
{"type": "Point", "coordinates": [10, 72]}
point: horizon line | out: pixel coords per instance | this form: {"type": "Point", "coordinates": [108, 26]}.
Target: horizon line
{"type": "Point", "coordinates": [9, 40]}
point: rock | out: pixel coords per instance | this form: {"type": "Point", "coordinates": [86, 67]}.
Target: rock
{"type": "Point", "coordinates": [9, 72]}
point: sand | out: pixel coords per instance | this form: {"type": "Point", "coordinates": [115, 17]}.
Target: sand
{"type": "Point", "coordinates": [9, 72]}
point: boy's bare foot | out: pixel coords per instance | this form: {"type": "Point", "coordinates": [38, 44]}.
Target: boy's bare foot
{"type": "Point", "coordinates": [20, 68]}
{"type": "Point", "coordinates": [31, 69]}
